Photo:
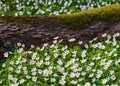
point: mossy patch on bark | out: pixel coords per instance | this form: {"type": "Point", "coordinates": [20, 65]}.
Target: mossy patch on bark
{"type": "Point", "coordinates": [80, 20]}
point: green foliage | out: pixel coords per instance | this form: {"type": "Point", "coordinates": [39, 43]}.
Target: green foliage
{"type": "Point", "coordinates": [83, 19]}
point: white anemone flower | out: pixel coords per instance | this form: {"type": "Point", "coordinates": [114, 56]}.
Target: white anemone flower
{"type": "Point", "coordinates": [94, 79]}
{"type": "Point", "coordinates": [45, 72]}
{"type": "Point", "coordinates": [92, 64]}
{"type": "Point", "coordinates": [73, 82]}
{"type": "Point", "coordinates": [62, 81]}
{"type": "Point", "coordinates": [10, 77]}
{"type": "Point", "coordinates": [34, 73]}
{"type": "Point", "coordinates": [28, 77]}
{"type": "Point", "coordinates": [60, 62]}
{"type": "Point", "coordinates": [24, 68]}
{"type": "Point", "coordinates": [10, 68]}
{"type": "Point", "coordinates": [89, 68]}
{"type": "Point", "coordinates": [104, 35]}
{"type": "Point", "coordinates": [113, 77]}
{"type": "Point", "coordinates": [33, 69]}
{"type": "Point", "coordinates": [14, 79]}
{"type": "Point", "coordinates": [38, 64]}
{"type": "Point", "coordinates": [47, 63]}
{"type": "Point", "coordinates": [87, 84]}
{"type": "Point", "coordinates": [32, 46]}
{"type": "Point", "coordinates": [1, 81]}
{"type": "Point", "coordinates": [84, 53]}
{"type": "Point", "coordinates": [6, 54]}
{"type": "Point", "coordinates": [116, 34]}
{"type": "Point", "coordinates": [72, 40]}
{"type": "Point", "coordinates": [21, 81]}
{"type": "Point", "coordinates": [20, 50]}
{"type": "Point", "coordinates": [102, 62]}
{"type": "Point", "coordinates": [39, 71]}
{"type": "Point", "coordinates": [112, 72]}
{"type": "Point", "coordinates": [80, 79]}
{"type": "Point", "coordinates": [18, 71]}
{"type": "Point", "coordinates": [91, 75]}
{"type": "Point", "coordinates": [3, 65]}
{"type": "Point", "coordinates": [34, 79]}
{"type": "Point", "coordinates": [55, 41]}
{"type": "Point", "coordinates": [80, 42]}
{"type": "Point", "coordinates": [19, 44]}
{"type": "Point", "coordinates": [53, 79]}
{"type": "Point", "coordinates": [72, 75]}
{"type": "Point", "coordinates": [11, 62]}
{"type": "Point", "coordinates": [104, 81]}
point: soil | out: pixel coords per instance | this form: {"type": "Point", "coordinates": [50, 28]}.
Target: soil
{"type": "Point", "coordinates": [37, 31]}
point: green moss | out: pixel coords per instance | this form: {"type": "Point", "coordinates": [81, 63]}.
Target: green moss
{"type": "Point", "coordinates": [80, 20]}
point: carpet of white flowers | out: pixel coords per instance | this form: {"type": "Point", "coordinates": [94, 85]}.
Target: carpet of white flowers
{"type": "Point", "coordinates": [48, 7]}
{"type": "Point", "coordinates": [54, 65]}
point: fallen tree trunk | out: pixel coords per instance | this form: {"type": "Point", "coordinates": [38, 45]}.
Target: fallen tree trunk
{"type": "Point", "coordinates": [83, 26]}
{"type": "Point", "coordinates": [39, 30]}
